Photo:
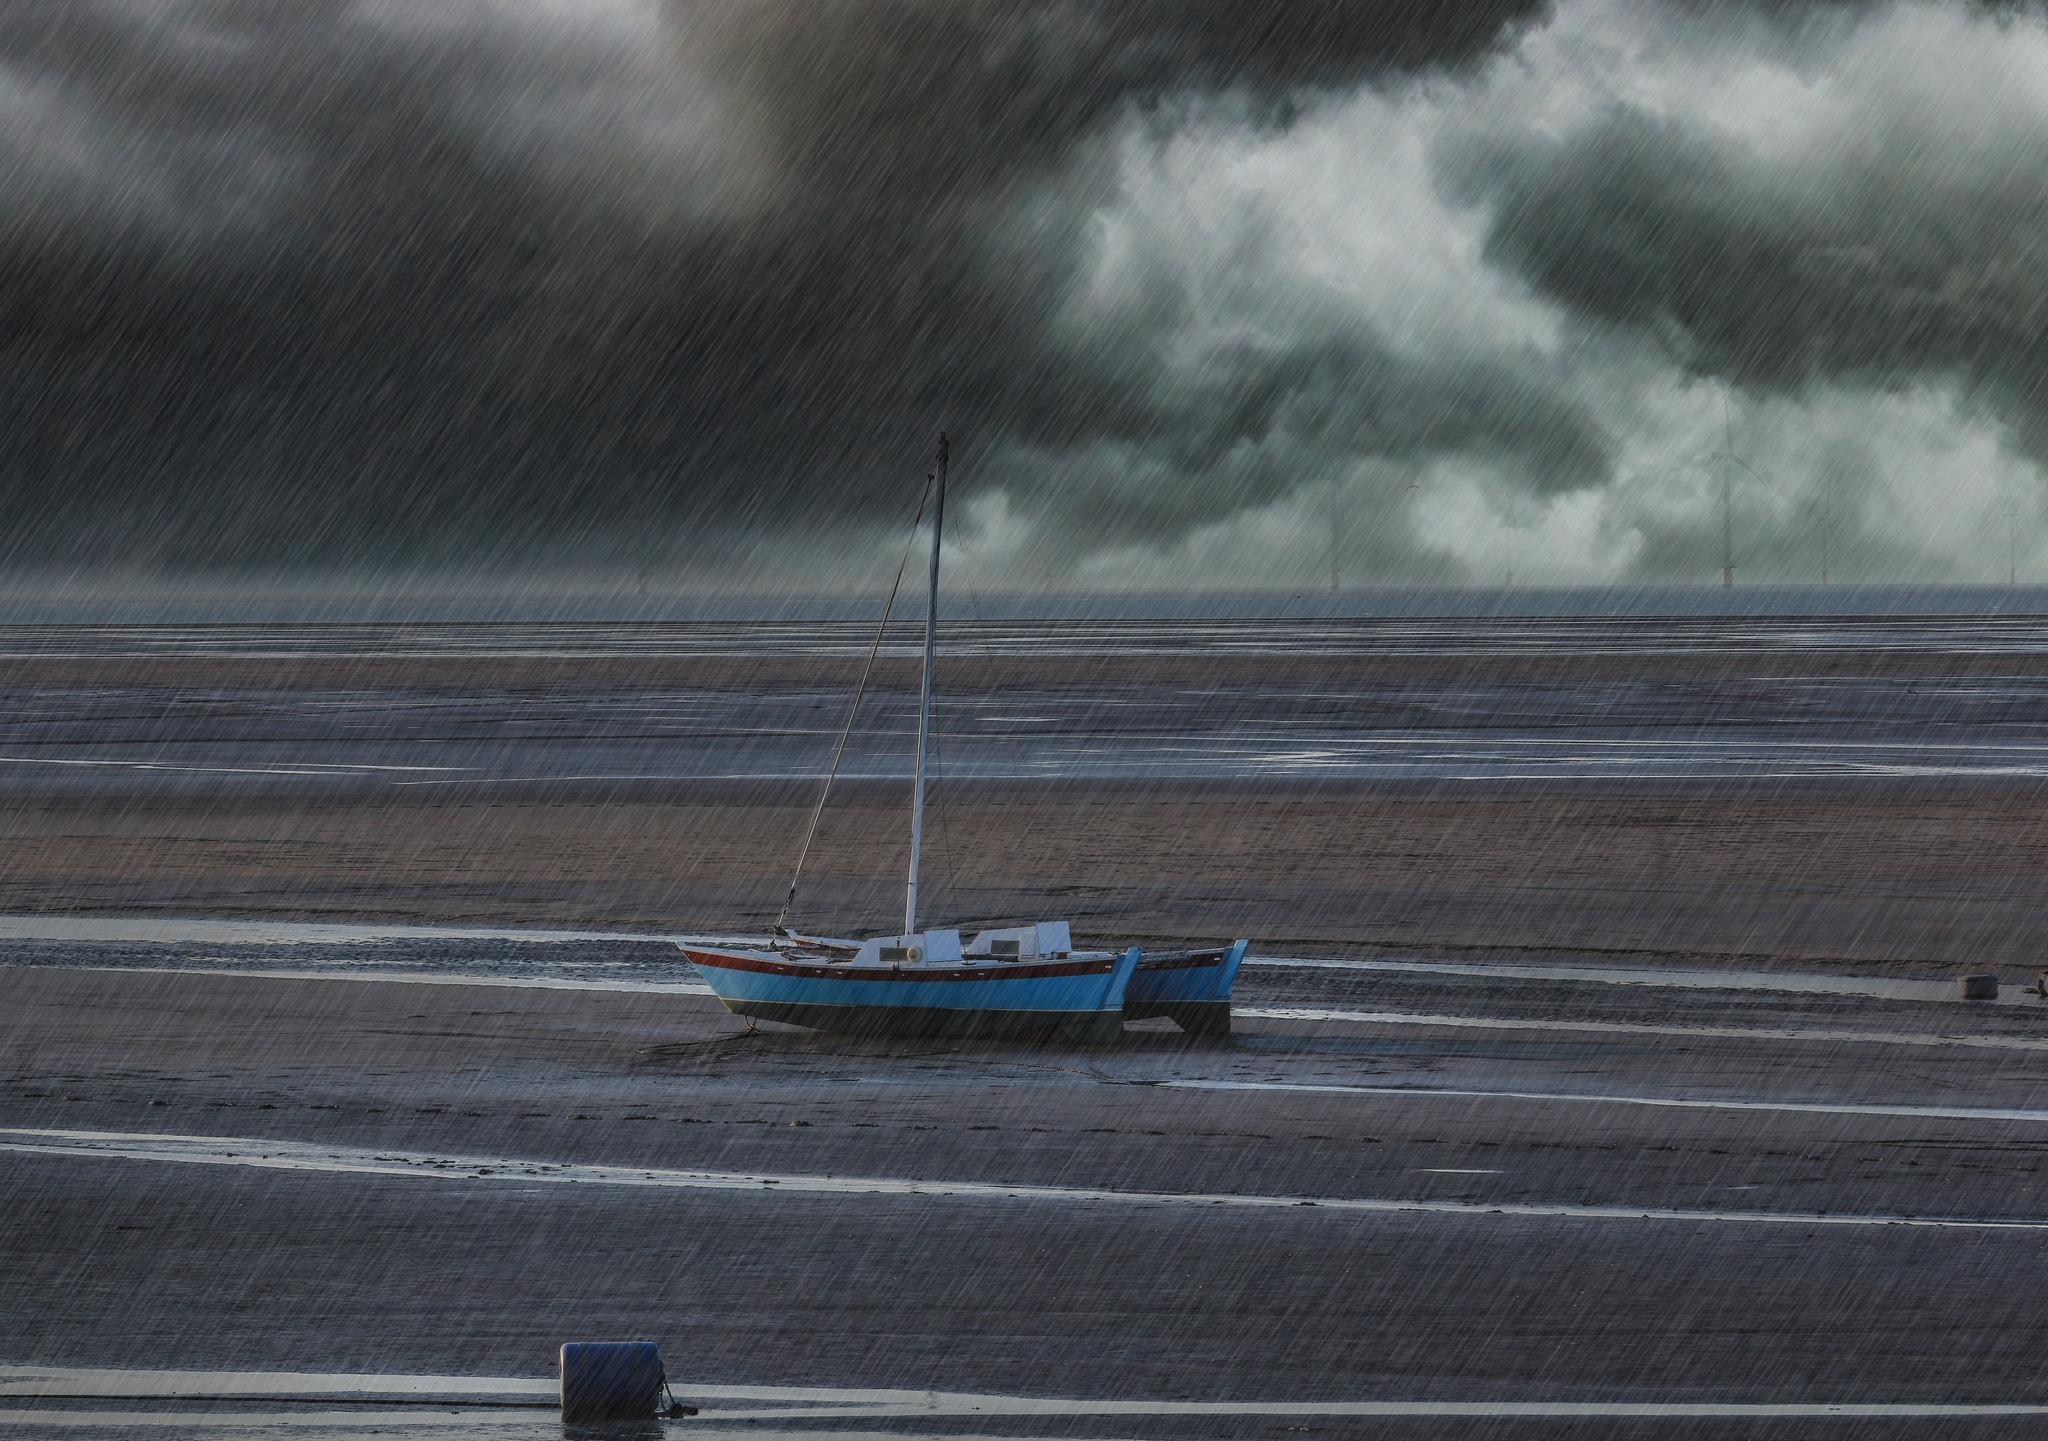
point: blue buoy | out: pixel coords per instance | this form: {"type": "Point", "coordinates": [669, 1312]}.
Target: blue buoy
{"type": "Point", "coordinates": [611, 1381]}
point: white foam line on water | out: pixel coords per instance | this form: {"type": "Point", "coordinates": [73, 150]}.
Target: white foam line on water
{"type": "Point", "coordinates": [108, 1382]}
{"type": "Point", "coordinates": [1816, 1108]}
{"type": "Point", "coordinates": [395, 1423]}
{"type": "Point", "coordinates": [306, 1156]}
{"type": "Point", "coordinates": [414, 1424]}
{"type": "Point", "coordinates": [112, 1383]}
{"type": "Point", "coordinates": [390, 1422]}
{"type": "Point", "coordinates": [1628, 1028]}
{"type": "Point", "coordinates": [811, 1402]}
{"type": "Point", "coordinates": [230, 932]}
{"type": "Point", "coordinates": [415, 978]}
{"type": "Point", "coordinates": [1033, 1406]}
{"type": "Point", "coordinates": [322, 768]}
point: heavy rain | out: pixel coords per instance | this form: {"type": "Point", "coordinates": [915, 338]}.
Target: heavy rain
{"type": "Point", "coordinates": [1036, 720]}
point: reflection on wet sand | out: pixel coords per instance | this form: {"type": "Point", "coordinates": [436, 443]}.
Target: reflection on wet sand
{"type": "Point", "coordinates": [813, 1403]}
{"type": "Point", "coordinates": [271, 1155]}
{"type": "Point", "coordinates": [1487, 1158]}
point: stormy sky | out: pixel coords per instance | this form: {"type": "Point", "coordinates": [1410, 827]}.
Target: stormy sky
{"type": "Point", "coordinates": [1207, 291]}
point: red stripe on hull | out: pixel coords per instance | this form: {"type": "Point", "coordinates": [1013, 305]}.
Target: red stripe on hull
{"type": "Point", "coordinates": [996, 971]}
{"type": "Point", "coordinates": [1195, 962]}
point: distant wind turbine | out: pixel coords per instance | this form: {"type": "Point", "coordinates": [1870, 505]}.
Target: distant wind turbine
{"type": "Point", "coordinates": [1730, 460]}
{"type": "Point", "coordinates": [1727, 499]}
{"type": "Point", "coordinates": [1827, 520]}
{"type": "Point", "coordinates": [1336, 518]}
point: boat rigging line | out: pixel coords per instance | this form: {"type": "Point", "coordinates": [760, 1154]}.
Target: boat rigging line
{"type": "Point", "coordinates": [924, 704]}
{"type": "Point", "coordinates": [780, 928]}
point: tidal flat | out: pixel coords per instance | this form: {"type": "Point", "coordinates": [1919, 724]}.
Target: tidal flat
{"type": "Point", "coordinates": [1743, 790]}
{"type": "Point", "coordinates": [217, 1171]}
{"type": "Point", "coordinates": [340, 1036]}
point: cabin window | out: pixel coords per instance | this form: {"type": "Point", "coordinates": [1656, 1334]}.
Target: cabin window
{"type": "Point", "coordinates": [1007, 950]}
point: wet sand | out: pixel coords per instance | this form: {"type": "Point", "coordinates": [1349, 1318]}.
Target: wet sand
{"type": "Point", "coordinates": [1920, 874]}
{"type": "Point", "coordinates": [414, 773]}
{"type": "Point", "coordinates": [160, 1263]}
{"type": "Point", "coordinates": [1783, 1259]}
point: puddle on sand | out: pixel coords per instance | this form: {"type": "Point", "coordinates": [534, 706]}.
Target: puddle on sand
{"type": "Point", "coordinates": [273, 1155]}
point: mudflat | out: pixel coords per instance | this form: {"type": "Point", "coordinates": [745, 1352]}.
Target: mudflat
{"type": "Point", "coordinates": [1785, 1271]}
{"type": "Point", "coordinates": [1942, 874]}
{"type": "Point", "coordinates": [1519, 1180]}
{"type": "Point", "coordinates": [1844, 793]}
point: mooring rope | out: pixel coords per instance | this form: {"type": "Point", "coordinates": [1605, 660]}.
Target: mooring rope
{"type": "Point", "coordinates": [838, 751]}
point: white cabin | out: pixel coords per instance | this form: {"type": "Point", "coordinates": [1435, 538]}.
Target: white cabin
{"type": "Point", "coordinates": [1047, 938]}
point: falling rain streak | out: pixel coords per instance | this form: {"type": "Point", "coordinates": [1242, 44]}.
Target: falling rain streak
{"type": "Point", "coordinates": [1432, 825]}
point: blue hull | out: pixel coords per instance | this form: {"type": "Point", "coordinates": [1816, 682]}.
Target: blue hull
{"type": "Point", "coordinates": [1082, 999]}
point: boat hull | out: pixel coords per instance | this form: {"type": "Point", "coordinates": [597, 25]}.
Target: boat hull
{"type": "Point", "coordinates": [1191, 989]}
{"type": "Point", "coordinates": [1082, 1000]}
{"type": "Point", "coordinates": [937, 1022]}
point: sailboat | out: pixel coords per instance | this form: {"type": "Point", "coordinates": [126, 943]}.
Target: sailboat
{"type": "Point", "coordinates": [1020, 982]}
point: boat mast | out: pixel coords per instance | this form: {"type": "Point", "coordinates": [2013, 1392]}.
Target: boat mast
{"type": "Point", "coordinates": [924, 705]}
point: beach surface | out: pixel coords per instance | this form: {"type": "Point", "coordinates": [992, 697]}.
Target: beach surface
{"type": "Point", "coordinates": [1568, 1097]}
{"type": "Point", "coordinates": [1843, 792]}
{"type": "Point", "coordinates": [1529, 1191]}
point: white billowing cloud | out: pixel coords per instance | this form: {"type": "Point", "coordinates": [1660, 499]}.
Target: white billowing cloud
{"type": "Point", "coordinates": [1918, 484]}
{"type": "Point", "coordinates": [1334, 224]}
{"type": "Point", "coordinates": [1284, 542]}
{"type": "Point", "coordinates": [1910, 98]}
{"type": "Point", "coordinates": [1224, 233]}
{"type": "Point", "coordinates": [1496, 533]}
{"type": "Point", "coordinates": [1340, 260]}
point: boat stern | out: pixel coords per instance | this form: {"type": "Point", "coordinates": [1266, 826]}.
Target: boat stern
{"type": "Point", "coordinates": [1190, 988]}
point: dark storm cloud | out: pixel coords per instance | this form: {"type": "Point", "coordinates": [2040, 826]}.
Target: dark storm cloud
{"type": "Point", "coordinates": [294, 279]}
{"type": "Point", "coordinates": [1253, 422]}
{"type": "Point", "coordinates": [1917, 252]}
